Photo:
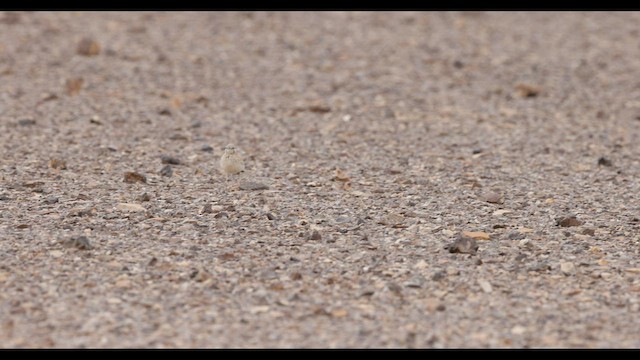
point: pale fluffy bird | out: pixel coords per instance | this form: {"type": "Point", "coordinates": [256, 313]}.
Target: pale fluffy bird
{"type": "Point", "coordinates": [231, 162]}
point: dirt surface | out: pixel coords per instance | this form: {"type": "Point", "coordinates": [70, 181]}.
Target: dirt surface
{"type": "Point", "coordinates": [372, 142]}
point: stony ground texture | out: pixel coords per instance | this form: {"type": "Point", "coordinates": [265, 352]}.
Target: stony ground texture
{"type": "Point", "coordinates": [381, 138]}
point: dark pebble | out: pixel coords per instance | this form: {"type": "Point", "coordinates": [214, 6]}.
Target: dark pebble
{"type": "Point", "coordinates": [315, 235]}
{"type": "Point", "coordinates": [604, 162]}
{"type": "Point", "coordinates": [252, 185]}
{"type": "Point", "coordinates": [463, 245]}
{"type": "Point", "coordinates": [438, 276]}
{"type": "Point", "coordinates": [207, 209]}
{"type": "Point", "coordinates": [133, 177]}
{"type": "Point", "coordinates": [221, 214]}
{"type": "Point", "coordinates": [79, 242]}
{"type": "Point", "coordinates": [51, 200]}
{"type": "Point", "coordinates": [166, 159]}
{"type": "Point", "coordinates": [166, 171]}
{"type": "Point", "coordinates": [206, 148]}
{"type": "Point", "coordinates": [568, 221]}
{"type": "Point", "coordinates": [26, 122]}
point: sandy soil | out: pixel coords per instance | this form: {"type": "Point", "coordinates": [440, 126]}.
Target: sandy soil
{"type": "Point", "coordinates": [381, 137]}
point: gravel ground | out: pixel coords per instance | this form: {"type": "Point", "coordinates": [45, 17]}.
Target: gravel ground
{"type": "Point", "coordinates": [430, 180]}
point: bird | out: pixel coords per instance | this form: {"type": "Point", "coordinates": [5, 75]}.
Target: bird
{"type": "Point", "coordinates": [231, 162]}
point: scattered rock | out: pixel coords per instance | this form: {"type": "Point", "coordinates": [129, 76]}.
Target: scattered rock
{"type": "Point", "coordinates": [134, 177]}
{"type": "Point", "coordinates": [79, 242]}
{"type": "Point", "coordinates": [439, 275]}
{"type": "Point", "coordinates": [56, 253]}
{"type": "Point", "coordinates": [80, 212]}
{"type": "Point", "coordinates": [315, 235]}
{"type": "Point", "coordinates": [270, 216]}
{"type": "Point", "coordinates": [340, 176]}
{"type": "Point", "coordinates": [493, 197]}
{"type": "Point", "coordinates": [73, 86]}
{"type": "Point", "coordinates": [206, 209]}
{"type": "Point", "coordinates": [26, 122]}
{"type": "Point", "coordinates": [221, 214]}
{"type": "Point", "coordinates": [130, 207]}
{"type": "Point", "coordinates": [319, 108]}
{"type": "Point", "coordinates": [339, 313]}
{"type": "Point", "coordinates": [51, 200]}
{"type": "Point", "coordinates": [393, 220]}
{"type": "Point", "coordinates": [123, 282]}
{"type": "Point", "coordinates": [415, 282]}
{"type": "Point", "coordinates": [527, 90]}
{"type": "Point", "coordinates": [144, 197]}
{"type": "Point", "coordinates": [540, 266]}
{"type": "Point", "coordinates": [88, 47]}
{"type": "Point", "coordinates": [166, 159]}
{"type": "Point", "coordinates": [485, 285]}
{"type": "Point", "coordinates": [252, 185]}
{"type": "Point", "coordinates": [206, 148]}
{"type": "Point", "coordinates": [295, 276]}
{"type": "Point", "coordinates": [590, 232]}
{"type": "Point", "coordinates": [464, 245]}
{"type": "Point", "coordinates": [518, 330]}
{"type": "Point", "coordinates": [166, 171]}
{"type": "Point", "coordinates": [479, 235]}
{"type": "Point", "coordinates": [602, 161]}
{"type": "Point", "coordinates": [568, 221]}
{"type": "Point", "coordinates": [57, 164]}
{"type": "Point", "coordinates": [178, 136]}
{"type": "Point", "coordinates": [22, 226]}
{"type": "Point", "coordinates": [567, 268]}
{"type": "Point", "coordinates": [516, 236]}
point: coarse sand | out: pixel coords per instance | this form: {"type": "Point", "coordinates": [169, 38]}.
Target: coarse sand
{"type": "Point", "coordinates": [412, 180]}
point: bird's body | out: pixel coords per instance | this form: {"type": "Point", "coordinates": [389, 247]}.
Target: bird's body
{"type": "Point", "coordinates": [231, 162]}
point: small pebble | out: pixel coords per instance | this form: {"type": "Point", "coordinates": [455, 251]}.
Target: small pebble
{"type": "Point", "coordinates": [493, 198]}
{"type": "Point", "coordinates": [602, 161]}
{"type": "Point", "coordinates": [26, 122]}
{"type": "Point", "coordinates": [252, 185]}
{"type": "Point", "coordinates": [567, 268]}
{"type": "Point", "coordinates": [57, 164]}
{"type": "Point", "coordinates": [130, 207]}
{"type": "Point", "coordinates": [438, 276]}
{"type": "Point", "coordinates": [166, 171]}
{"type": "Point", "coordinates": [221, 214]}
{"type": "Point", "coordinates": [206, 148]}
{"type": "Point", "coordinates": [486, 286]}
{"type": "Point", "coordinates": [528, 91]}
{"type": "Point", "coordinates": [88, 47]}
{"type": "Point", "coordinates": [206, 209]}
{"type": "Point", "coordinates": [479, 235]}
{"type": "Point", "coordinates": [315, 235]}
{"type": "Point", "coordinates": [51, 200]}
{"type": "Point", "coordinates": [568, 221]}
{"type": "Point", "coordinates": [73, 86]}
{"type": "Point", "coordinates": [144, 197]}
{"type": "Point", "coordinates": [79, 242]}
{"type": "Point", "coordinates": [133, 177]}
{"type": "Point", "coordinates": [464, 245]}
{"type": "Point", "coordinates": [166, 159]}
